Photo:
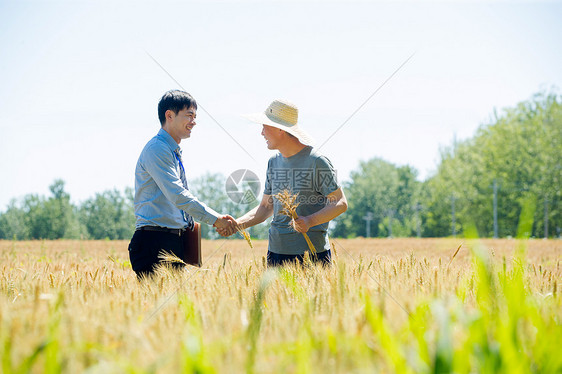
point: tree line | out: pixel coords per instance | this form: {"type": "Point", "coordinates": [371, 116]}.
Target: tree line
{"type": "Point", "coordinates": [108, 215]}
{"type": "Point", "coordinates": [483, 183]}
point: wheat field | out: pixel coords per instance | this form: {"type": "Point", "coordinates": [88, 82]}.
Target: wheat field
{"type": "Point", "coordinates": [386, 305]}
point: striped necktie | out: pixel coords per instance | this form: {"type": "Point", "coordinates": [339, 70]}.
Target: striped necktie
{"type": "Point", "coordinates": [186, 216]}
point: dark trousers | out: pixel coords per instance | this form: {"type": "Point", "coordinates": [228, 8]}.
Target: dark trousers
{"type": "Point", "coordinates": [145, 247]}
{"type": "Point", "coordinates": [276, 259]}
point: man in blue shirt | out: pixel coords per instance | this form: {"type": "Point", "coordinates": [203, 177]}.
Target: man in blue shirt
{"type": "Point", "coordinates": [164, 206]}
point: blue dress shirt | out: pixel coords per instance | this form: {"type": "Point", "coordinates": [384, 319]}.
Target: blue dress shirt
{"type": "Point", "coordinates": [159, 192]}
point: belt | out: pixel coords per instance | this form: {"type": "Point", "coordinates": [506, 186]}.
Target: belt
{"type": "Point", "coordinates": [177, 232]}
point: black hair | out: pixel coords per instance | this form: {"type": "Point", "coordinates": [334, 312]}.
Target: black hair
{"type": "Point", "coordinates": [174, 100]}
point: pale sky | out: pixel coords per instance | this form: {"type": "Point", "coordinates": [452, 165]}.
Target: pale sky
{"type": "Point", "coordinates": [78, 91]}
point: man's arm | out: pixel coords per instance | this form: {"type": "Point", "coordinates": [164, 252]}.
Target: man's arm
{"type": "Point", "coordinates": [255, 216]}
{"type": "Point", "coordinates": [336, 205]}
{"type": "Point", "coordinates": [258, 214]}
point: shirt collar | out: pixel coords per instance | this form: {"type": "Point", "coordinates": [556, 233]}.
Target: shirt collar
{"type": "Point", "coordinates": [167, 138]}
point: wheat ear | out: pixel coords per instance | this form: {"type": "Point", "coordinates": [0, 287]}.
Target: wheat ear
{"type": "Point", "coordinates": [289, 202]}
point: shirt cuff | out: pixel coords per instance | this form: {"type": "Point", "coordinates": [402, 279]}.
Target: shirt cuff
{"type": "Point", "coordinates": [210, 217]}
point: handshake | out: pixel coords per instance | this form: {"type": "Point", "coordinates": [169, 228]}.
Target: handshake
{"type": "Point", "coordinates": [226, 225]}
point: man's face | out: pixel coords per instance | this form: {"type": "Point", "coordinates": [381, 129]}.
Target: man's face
{"type": "Point", "coordinates": [273, 136]}
{"type": "Point", "coordinates": [182, 123]}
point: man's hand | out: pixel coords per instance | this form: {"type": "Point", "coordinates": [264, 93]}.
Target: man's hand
{"type": "Point", "coordinates": [227, 231]}
{"type": "Point", "coordinates": [226, 225]}
{"type": "Point", "coordinates": [303, 224]}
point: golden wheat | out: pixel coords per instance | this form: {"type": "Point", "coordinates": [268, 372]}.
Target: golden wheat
{"type": "Point", "coordinates": [79, 304]}
{"type": "Point", "coordinates": [170, 258]}
{"type": "Point", "coordinates": [246, 235]}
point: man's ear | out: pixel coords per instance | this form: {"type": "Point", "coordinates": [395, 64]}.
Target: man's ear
{"type": "Point", "coordinates": [169, 115]}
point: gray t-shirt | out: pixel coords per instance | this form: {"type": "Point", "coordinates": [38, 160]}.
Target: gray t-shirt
{"type": "Point", "coordinates": [313, 177]}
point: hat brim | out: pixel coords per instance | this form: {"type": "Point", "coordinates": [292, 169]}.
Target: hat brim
{"type": "Point", "coordinates": [295, 130]}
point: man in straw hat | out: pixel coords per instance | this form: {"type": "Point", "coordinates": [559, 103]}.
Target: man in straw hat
{"type": "Point", "coordinates": [301, 170]}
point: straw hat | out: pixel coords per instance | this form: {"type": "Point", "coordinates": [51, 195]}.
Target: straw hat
{"type": "Point", "coordinates": [282, 115]}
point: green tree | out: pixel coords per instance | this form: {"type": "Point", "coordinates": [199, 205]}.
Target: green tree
{"type": "Point", "coordinates": [58, 216]}
{"type": "Point", "coordinates": [109, 214]}
{"type": "Point", "coordinates": [520, 152]}
{"type": "Point", "coordinates": [41, 218]}
{"type": "Point", "coordinates": [388, 192]}
{"type": "Point", "coordinates": [13, 223]}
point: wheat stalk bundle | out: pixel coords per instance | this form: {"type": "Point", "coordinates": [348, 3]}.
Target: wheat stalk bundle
{"type": "Point", "coordinates": [290, 204]}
